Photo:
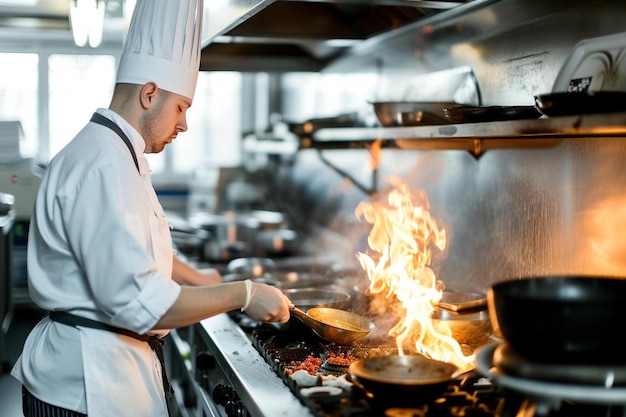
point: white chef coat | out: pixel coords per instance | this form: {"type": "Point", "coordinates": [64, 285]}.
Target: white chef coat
{"type": "Point", "coordinates": [99, 246]}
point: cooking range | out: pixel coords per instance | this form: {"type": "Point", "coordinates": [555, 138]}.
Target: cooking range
{"type": "Point", "coordinates": [234, 366]}
{"type": "Point", "coordinates": [244, 368]}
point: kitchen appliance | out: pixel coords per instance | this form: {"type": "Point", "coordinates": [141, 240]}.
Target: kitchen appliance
{"type": "Point", "coordinates": [529, 203]}
{"type": "Point", "coordinates": [20, 177]}
{"type": "Point", "coordinates": [546, 397]}
{"type": "Point", "coordinates": [238, 367]}
{"type": "Point", "coordinates": [262, 372]}
{"type": "Point", "coordinates": [7, 216]}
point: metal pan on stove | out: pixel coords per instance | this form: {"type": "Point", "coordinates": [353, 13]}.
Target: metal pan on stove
{"type": "Point", "coordinates": [306, 298]}
{"type": "Point", "coordinates": [402, 379]}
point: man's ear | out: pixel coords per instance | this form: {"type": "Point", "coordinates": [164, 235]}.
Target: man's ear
{"type": "Point", "coordinates": [148, 94]}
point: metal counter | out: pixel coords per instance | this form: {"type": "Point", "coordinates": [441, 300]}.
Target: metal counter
{"type": "Point", "coordinates": [241, 367]}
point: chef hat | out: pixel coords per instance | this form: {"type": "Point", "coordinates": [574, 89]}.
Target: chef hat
{"type": "Point", "coordinates": [163, 45]}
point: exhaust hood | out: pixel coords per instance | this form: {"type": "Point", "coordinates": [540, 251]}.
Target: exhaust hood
{"type": "Point", "coordinates": [299, 35]}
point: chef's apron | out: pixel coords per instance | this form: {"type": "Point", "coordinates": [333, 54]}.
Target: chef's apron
{"type": "Point", "coordinates": [162, 250]}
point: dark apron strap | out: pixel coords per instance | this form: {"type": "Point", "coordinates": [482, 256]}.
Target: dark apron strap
{"type": "Point", "coordinates": [104, 121]}
{"type": "Point", "coordinates": [155, 342]}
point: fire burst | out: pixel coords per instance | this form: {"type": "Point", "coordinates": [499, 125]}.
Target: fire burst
{"type": "Point", "coordinates": [401, 236]}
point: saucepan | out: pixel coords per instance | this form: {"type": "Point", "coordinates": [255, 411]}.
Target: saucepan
{"type": "Point", "coordinates": [335, 325]}
{"type": "Point", "coordinates": [464, 315]}
{"type": "Point", "coordinates": [561, 319]}
{"type": "Point", "coordinates": [472, 329]}
{"type": "Point", "coordinates": [401, 379]}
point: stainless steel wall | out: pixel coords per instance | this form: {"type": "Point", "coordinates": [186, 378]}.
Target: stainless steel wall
{"type": "Point", "coordinates": [510, 213]}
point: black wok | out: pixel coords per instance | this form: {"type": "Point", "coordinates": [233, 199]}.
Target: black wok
{"type": "Point", "coordinates": [402, 380]}
{"type": "Point", "coordinates": [561, 319]}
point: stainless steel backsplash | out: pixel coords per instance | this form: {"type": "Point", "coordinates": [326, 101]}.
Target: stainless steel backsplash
{"type": "Point", "coordinates": [511, 212]}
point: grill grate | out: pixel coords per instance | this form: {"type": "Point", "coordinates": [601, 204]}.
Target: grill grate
{"type": "Point", "coordinates": [468, 396]}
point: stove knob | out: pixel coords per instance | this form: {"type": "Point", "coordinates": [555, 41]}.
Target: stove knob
{"type": "Point", "coordinates": [236, 409]}
{"type": "Point", "coordinates": [223, 394]}
{"type": "Point", "coordinates": [205, 361]}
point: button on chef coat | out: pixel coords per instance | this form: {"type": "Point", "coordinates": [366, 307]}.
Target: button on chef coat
{"type": "Point", "coordinates": [99, 246]}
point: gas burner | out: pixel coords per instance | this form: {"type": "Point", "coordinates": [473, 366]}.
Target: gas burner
{"type": "Point", "coordinates": [548, 395]}
{"type": "Point", "coordinates": [317, 374]}
{"type": "Point", "coordinates": [334, 368]}
{"type": "Point", "coordinates": [513, 364]}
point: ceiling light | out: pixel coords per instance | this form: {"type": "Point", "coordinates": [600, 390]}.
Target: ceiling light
{"type": "Point", "coordinates": [28, 3]}
{"type": "Point", "coordinates": [87, 21]}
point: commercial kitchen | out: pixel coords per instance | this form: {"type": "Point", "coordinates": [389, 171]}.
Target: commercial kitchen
{"type": "Point", "coordinates": [444, 170]}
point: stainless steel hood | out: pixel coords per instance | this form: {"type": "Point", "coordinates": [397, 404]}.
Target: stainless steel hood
{"type": "Point", "coordinates": [299, 35]}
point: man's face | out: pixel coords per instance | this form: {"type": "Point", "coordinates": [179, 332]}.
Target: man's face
{"type": "Point", "coordinates": [166, 117]}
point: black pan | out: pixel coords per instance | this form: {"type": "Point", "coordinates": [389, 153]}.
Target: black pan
{"type": "Point", "coordinates": [561, 319]}
{"type": "Point", "coordinates": [470, 114]}
{"type": "Point", "coordinates": [564, 104]}
{"type": "Point", "coordinates": [400, 380]}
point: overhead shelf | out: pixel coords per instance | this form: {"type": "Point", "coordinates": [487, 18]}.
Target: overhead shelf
{"type": "Point", "coordinates": [475, 138]}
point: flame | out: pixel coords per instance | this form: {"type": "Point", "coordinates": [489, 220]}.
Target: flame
{"type": "Point", "coordinates": [376, 154]}
{"type": "Point", "coordinates": [401, 236]}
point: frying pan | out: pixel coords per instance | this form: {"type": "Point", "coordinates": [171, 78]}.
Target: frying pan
{"type": "Point", "coordinates": [306, 298]}
{"type": "Point", "coordinates": [411, 113]}
{"type": "Point", "coordinates": [399, 380]}
{"type": "Point", "coordinates": [584, 102]}
{"type": "Point", "coordinates": [334, 325]}
{"type": "Point", "coordinates": [561, 319]}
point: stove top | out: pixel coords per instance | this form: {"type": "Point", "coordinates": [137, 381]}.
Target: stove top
{"type": "Point", "coordinates": [546, 394]}
{"type": "Point", "coordinates": [316, 373]}
{"type": "Point", "coordinates": [285, 371]}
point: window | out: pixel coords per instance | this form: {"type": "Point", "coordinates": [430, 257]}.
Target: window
{"type": "Point", "coordinates": [73, 85]}
{"type": "Point", "coordinates": [79, 84]}
{"type": "Point", "coordinates": [214, 128]}
{"type": "Point", "coordinates": [18, 95]}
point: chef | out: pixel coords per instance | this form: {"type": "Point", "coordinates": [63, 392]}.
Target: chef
{"type": "Point", "coordinates": [100, 255]}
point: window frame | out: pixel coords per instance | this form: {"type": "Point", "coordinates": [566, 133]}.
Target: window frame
{"type": "Point", "coordinates": [57, 45]}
